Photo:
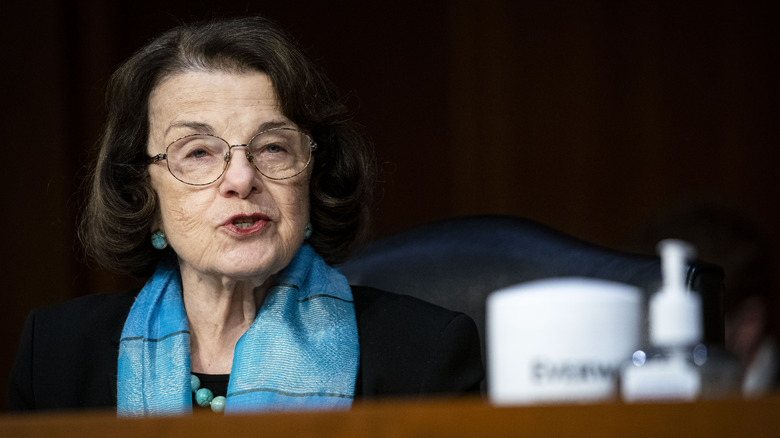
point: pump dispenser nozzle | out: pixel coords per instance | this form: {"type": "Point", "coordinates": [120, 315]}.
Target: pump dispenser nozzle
{"type": "Point", "coordinates": [675, 312]}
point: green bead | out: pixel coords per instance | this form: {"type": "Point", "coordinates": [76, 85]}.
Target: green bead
{"type": "Point", "coordinates": [194, 382]}
{"type": "Point", "coordinates": [204, 397]}
{"type": "Point", "coordinates": [218, 404]}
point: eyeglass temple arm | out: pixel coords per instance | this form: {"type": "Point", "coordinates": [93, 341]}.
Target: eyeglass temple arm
{"type": "Point", "coordinates": [158, 157]}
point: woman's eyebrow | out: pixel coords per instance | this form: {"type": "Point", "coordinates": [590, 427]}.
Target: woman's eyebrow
{"type": "Point", "coordinates": [205, 128]}
{"type": "Point", "coordinates": [196, 126]}
{"type": "Point", "coordinates": [274, 124]}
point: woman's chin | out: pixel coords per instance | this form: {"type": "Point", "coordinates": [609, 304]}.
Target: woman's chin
{"type": "Point", "coordinates": [245, 266]}
{"type": "Point", "coordinates": [245, 271]}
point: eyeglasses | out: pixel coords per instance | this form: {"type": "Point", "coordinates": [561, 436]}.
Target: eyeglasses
{"type": "Point", "coordinates": [201, 159]}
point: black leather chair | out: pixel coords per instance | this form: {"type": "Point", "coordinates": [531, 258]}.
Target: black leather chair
{"type": "Point", "coordinates": [457, 262]}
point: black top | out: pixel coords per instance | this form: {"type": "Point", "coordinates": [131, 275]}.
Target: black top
{"type": "Point", "coordinates": [68, 352]}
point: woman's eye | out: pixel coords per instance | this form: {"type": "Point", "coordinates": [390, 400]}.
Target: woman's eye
{"type": "Point", "coordinates": [198, 153]}
{"type": "Point", "coordinates": [274, 148]}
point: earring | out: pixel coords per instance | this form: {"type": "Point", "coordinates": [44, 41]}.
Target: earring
{"type": "Point", "coordinates": [159, 241]}
{"type": "Point", "coordinates": [307, 231]}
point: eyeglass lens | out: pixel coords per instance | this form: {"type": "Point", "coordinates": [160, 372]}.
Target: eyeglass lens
{"type": "Point", "coordinates": [201, 159]}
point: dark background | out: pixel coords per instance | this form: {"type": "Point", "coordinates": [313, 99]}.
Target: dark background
{"type": "Point", "coordinates": [592, 117]}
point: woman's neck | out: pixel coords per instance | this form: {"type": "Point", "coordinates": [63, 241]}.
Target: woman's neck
{"type": "Point", "coordinates": [219, 311]}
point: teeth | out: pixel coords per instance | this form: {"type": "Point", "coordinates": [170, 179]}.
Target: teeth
{"type": "Point", "coordinates": [245, 222]}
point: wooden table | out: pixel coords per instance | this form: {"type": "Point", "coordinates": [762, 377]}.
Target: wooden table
{"type": "Point", "coordinates": [429, 418]}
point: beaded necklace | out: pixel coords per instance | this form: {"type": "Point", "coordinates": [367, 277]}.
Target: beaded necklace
{"type": "Point", "coordinates": [204, 397]}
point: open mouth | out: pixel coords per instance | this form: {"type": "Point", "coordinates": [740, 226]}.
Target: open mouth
{"type": "Point", "coordinates": [244, 222]}
{"type": "Point", "coordinates": [247, 224]}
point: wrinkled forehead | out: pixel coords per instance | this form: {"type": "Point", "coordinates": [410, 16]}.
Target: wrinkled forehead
{"type": "Point", "coordinates": [224, 103]}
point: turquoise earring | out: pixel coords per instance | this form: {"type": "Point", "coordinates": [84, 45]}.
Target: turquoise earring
{"type": "Point", "coordinates": [159, 241]}
{"type": "Point", "coordinates": [307, 231]}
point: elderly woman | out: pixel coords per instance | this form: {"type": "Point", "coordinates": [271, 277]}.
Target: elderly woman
{"type": "Point", "coordinates": [230, 175]}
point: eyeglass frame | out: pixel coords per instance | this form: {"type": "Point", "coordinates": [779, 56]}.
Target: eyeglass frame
{"type": "Point", "coordinates": [229, 155]}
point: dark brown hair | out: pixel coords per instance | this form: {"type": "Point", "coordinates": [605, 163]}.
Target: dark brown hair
{"type": "Point", "coordinates": [122, 205]}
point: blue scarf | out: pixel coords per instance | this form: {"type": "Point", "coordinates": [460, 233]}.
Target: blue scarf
{"type": "Point", "coordinates": [301, 352]}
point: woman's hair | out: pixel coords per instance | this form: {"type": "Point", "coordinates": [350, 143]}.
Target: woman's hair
{"type": "Point", "coordinates": [122, 206]}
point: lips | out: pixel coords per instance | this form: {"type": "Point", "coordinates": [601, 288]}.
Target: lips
{"type": "Point", "coordinates": [244, 224]}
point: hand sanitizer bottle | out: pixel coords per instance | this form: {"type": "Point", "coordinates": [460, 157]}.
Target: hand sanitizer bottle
{"type": "Point", "coordinates": [669, 369]}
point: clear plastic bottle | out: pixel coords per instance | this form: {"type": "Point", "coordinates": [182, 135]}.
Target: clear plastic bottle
{"type": "Point", "coordinates": [677, 366]}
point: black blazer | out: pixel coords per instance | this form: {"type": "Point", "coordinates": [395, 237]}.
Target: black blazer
{"type": "Point", "coordinates": [68, 353]}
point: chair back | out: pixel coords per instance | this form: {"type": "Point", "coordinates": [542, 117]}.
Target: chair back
{"type": "Point", "coordinates": [456, 263]}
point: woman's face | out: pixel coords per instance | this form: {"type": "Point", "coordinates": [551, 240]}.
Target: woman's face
{"type": "Point", "coordinates": [243, 226]}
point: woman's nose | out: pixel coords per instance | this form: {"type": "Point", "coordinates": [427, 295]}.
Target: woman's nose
{"type": "Point", "coordinates": [241, 176]}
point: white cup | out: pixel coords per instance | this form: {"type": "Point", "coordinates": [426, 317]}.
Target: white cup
{"type": "Point", "coordinates": [560, 340]}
